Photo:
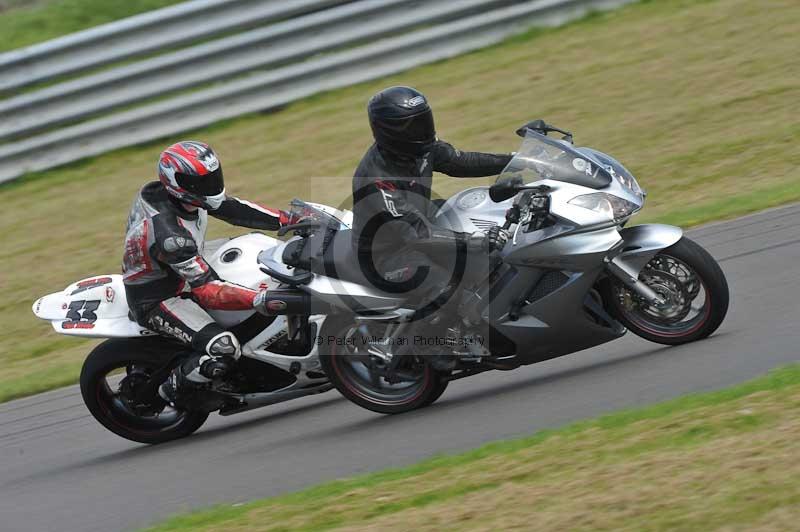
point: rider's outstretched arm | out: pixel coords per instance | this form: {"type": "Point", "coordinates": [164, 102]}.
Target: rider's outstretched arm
{"type": "Point", "coordinates": [181, 253]}
{"type": "Point", "coordinates": [244, 213]}
{"type": "Point", "coordinates": [456, 163]}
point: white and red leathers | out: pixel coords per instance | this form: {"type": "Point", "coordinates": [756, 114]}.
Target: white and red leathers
{"type": "Point", "coordinates": [167, 281]}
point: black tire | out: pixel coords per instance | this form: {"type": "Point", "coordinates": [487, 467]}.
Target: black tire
{"type": "Point", "coordinates": [337, 367]}
{"type": "Point", "coordinates": [437, 393]}
{"type": "Point", "coordinates": [107, 407]}
{"type": "Point", "coordinates": [709, 317]}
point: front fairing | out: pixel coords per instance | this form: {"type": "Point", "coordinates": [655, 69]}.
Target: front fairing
{"type": "Point", "coordinates": [542, 158]}
{"type": "Point", "coordinates": [576, 171]}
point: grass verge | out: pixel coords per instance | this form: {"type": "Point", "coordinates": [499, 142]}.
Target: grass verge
{"type": "Point", "coordinates": [691, 96]}
{"type": "Point", "coordinates": [27, 23]}
{"type": "Point", "coordinates": [720, 460]}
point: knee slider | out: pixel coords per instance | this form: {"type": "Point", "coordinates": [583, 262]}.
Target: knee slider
{"type": "Point", "coordinates": [224, 344]}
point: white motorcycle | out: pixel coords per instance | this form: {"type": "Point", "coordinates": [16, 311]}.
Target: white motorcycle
{"type": "Point", "coordinates": [120, 378]}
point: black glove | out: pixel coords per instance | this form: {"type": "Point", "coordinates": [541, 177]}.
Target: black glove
{"type": "Point", "coordinates": [494, 239]}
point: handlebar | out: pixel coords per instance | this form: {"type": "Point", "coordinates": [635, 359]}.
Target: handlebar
{"type": "Point", "coordinates": [532, 207]}
{"type": "Point", "coordinates": [300, 226]}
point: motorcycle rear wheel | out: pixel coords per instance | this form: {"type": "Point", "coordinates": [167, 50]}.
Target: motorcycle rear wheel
{"type": "Point", "coordinates": [356, 382]}
{"type": "Point", "coordinates": [110, 404]}
{"type": "Point", "coordinates": [690, 276]}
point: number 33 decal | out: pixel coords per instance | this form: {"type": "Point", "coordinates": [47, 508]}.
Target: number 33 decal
{"type": "Point", "coordinates": [81, 320]}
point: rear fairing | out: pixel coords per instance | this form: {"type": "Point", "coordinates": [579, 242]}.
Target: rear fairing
{"type": "Point", "coordinates": [96, 307]}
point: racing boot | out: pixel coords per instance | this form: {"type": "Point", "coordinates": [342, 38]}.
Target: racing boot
{"type": "Point", "coordinates": [222, 351]}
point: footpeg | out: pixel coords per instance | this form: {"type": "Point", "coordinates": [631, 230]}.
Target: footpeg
{"type": "Point", "coordinates": [216, 368]}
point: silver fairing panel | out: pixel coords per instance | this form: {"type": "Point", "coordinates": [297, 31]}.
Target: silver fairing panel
{"type": "Point", "coordinates": [560, 247]}
{"type": "Point", "coordinates": [551, 288]}
{"type": "Point", "coordinates": [572, 251]}
{"type": "Point", "coordinates": [341, 294]}
{"type": "Point", "coordinates": [549, 324]}
{"type": "Point", "coordinates": [472, 210]}
{"type": "Point", "coordinates": [350, 296]}
{"type": "Point", "coordinates": [643, 242]}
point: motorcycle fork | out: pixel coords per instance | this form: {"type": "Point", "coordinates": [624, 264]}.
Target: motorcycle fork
{"type": "Point", "coordinates": [618, 269]}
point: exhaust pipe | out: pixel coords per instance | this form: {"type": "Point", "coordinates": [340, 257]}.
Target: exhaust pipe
{"type": "Point", "coordinates": [251, 401]}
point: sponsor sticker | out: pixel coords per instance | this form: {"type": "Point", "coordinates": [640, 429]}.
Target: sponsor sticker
{"type": "Point", "coordinates": [77, 325]}
{"type": "Point", "coordinates": [210, 161]}
{"type": "Point", "coordinates": [274, 338]}
{"type": "Point", "coordinates": [90, 283]}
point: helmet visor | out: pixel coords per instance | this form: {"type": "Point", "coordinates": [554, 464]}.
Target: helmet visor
{"type": "Point", "coordinates": [210, 184]}
{"type": "Point", "coordinates": [417, 128]}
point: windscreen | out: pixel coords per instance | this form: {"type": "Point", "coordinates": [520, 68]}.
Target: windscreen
{"type": "Point", "coordinates": [541, 157]}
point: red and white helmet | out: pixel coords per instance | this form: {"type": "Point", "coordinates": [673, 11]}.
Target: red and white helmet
{"type": "Point", "coordinates": [191, 172]}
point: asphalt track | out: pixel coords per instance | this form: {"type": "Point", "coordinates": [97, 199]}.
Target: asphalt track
{"type": "Point", "coordinates": [60, 470]}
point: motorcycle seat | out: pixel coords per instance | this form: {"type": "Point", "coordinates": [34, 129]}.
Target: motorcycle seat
{"type": "Point", "coordinates": [340, 261]}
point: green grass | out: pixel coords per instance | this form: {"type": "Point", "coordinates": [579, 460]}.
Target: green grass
{"type": "Point", "coordinates": [720, 460]}
{"type": "Point", "coordinates": [25, 23]}
{"type": "Point", "coordinates": [697, 98]}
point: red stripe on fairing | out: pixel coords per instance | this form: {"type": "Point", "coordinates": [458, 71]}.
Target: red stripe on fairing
{"type": "Point", "coordinates": [77, 325]}
{"type": "Point", "coordinates": [94, 281]}
{"type": "Point", "coordinates": [219, 295]}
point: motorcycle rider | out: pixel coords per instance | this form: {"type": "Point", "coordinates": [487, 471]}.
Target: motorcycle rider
{"type": "Point", "coordinates": [168, 283]}
{"type": "Point", "coordinates": [392, 204]}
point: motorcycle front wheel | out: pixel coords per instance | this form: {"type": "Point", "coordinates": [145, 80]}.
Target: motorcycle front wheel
{"type": "Point", "coordinates": [112, 375]}
{"type": "Point", "coordinates": [693, 287]}
{"type": "Point", "coordinates": [360, 378]}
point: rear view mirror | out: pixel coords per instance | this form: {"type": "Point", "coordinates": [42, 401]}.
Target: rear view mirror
{"type": "Point", "coordinates": [503, 190]}
{"type": "Point", "coordinates": [543, 128]}
{"type": "Point", "coordinates": [539, 126]}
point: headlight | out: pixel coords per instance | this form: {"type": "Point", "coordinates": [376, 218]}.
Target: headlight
{"type": "Point", "coordinates": [613, 207]}
{"type": "Point", "coordinates": [630, 184]}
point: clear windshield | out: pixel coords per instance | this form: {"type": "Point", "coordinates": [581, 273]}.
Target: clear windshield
{"type": "Point", "coordinates": [327, 216]}
{"type": "Point", "coordinates": [541, 157]}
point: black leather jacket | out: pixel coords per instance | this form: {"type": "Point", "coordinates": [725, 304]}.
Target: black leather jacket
{"type": "Point", "coordinates": [392, 195]}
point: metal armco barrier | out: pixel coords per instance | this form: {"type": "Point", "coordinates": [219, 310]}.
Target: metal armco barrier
{"type": "Point", "coordinates": [309, 47]}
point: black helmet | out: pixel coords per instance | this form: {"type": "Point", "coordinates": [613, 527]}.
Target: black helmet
{"type": "Point", "coordinates": [402, 120]}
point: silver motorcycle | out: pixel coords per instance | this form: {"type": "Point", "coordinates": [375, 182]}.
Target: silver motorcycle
{"type": "Point", "coordinates": [572, 276]}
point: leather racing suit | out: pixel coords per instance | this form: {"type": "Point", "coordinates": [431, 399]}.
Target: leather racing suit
{"type": "Point", "coordinates": [167, 281]}
{"type": "Point", "coordinates": [392, 209]}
